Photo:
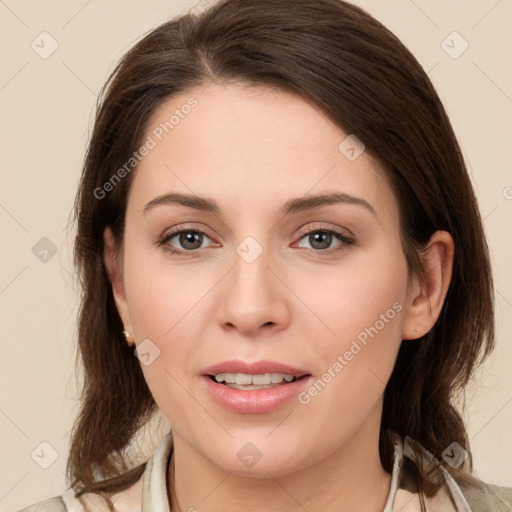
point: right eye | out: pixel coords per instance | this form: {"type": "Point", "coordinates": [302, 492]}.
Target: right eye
{"type": "Point", "coordinates": [188, 240]}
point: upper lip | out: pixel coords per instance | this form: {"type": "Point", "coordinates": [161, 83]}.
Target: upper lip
{"type": "Point", "coordinates": [254, 368]}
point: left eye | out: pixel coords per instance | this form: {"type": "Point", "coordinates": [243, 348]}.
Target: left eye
{"type": "Point", "coordinates": [321, 239]}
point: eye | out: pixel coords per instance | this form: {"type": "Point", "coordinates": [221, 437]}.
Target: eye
{"type": "Point", "coordinates": [185, 241]}
{"type": "Point", "coordinates": [321, 239]}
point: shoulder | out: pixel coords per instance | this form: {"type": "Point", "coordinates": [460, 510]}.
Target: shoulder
{"type": "Point", "coordinates": [484, 496]}
{"type": "Point", "coordinates": [50, 505]}
{"type": "Point", "coordinates": [150, 486]}
{"type": "Point", "coordinates": [462, 491]}
{"type": "Point", "coordinates": [128, 500]}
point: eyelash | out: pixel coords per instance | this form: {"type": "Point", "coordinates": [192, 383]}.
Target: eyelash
{"type": "Point", "coordinates": [346, 241]}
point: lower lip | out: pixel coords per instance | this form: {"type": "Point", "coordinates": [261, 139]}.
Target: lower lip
{"type": "Point", "coordinates": [256, 400]}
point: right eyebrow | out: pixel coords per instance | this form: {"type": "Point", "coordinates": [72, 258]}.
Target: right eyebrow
{"type": "Point", "coordinates": [196, 202]}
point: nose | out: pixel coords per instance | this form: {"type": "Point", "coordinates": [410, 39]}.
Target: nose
{"type": "Point", "coordinates": [253, 298]}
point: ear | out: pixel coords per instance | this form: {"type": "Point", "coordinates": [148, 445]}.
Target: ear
{"type": "Point", "coordinates": [113, 263]}
{"type": "Point", "coordinates": [426, 296]}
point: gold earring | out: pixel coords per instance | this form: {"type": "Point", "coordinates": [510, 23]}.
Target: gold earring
{"type": "Point", "coordinates": [128, 338]}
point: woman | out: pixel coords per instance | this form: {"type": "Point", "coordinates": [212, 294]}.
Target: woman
{"type": "Point", "coordinates": [276, 219]}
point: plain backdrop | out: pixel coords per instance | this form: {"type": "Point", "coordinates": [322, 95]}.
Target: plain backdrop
{"type": "Point", "coordinates": [47, 104]}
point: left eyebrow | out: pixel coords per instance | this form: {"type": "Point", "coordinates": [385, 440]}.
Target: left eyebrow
{"type": "Point", "coordinates": [310, 202]}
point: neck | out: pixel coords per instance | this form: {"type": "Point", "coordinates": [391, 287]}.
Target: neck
{"type": "Point", "coordinates": [350, 478]}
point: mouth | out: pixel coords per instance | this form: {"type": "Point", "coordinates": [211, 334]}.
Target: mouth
{"type": "Point", "coordinates": [250, 382]}
{"type": "Point", "coordinates": [258, 387]}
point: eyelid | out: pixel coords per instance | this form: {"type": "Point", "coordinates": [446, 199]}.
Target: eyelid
{"type": "Point", "coordinates": [322, 226]}
{"type": "Point", "coordinates": [184, 227]}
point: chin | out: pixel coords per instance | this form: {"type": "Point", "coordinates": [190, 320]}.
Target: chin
{"type": "Point", "coordinates": [259, 457]}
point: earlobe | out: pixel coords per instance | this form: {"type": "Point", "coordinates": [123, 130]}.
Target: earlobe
{"type": "Point", "coordinates": [428, 294]}
{"type": "Point", "coordinates": [112, 262]}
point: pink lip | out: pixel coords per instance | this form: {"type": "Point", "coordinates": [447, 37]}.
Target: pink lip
{"type": "Point", "coordinates": [254, 401]}
{"type": "Point", "coordinates": [255, 368]}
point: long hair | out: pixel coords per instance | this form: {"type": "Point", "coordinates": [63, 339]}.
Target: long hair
{"type": "Point", "coordinates": [365, 80]}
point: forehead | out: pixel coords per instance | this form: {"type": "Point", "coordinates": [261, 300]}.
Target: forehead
{"type": "Point", "coordinates": [251, 148]}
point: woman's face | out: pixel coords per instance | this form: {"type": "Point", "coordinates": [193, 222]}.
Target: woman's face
{"type": "Point", "coordinates": [266, 271]}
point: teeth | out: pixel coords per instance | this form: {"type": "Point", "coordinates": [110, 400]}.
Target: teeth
{"type": "Point", "coordinates": [257, 380]}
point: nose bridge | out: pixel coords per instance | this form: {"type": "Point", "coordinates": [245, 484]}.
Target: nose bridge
{"type": "Point", "coordinates": [250, 272]}
{"type": "Point", "coordinates": [251, 296]}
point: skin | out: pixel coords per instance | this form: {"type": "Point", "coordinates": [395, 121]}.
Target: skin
{"type": "Point", "coordinates": [251, 149]}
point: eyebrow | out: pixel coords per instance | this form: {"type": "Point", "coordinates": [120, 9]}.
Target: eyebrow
{"type": "Point", "coordinates": [292, 206]}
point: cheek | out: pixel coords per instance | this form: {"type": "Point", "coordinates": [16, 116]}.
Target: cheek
{"type": "Point", "coordinates": [167, 312]}
{"type": "Point", "coordinates": [363, 298]}
{"type": "Point", "coordinates": [162, 319]}
{"type": "Point", "coordinates": [361, 309]}
{"type": "Point", "coordinates": [160, 295]}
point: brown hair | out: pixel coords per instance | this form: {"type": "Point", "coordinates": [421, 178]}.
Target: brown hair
{"type": "Point", "coordinates": [336, 55]}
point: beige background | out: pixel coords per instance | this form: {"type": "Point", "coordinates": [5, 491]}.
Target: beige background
{"type": "Point", "coordinates": [47, 106]}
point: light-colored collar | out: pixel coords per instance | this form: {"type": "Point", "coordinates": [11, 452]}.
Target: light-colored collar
{"type": "Point", "coordinates": [448, 499]}
{"type": "Point", "coordinates": [154, 489]}
{"type": "Point", "coordinates": [395, 475]}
